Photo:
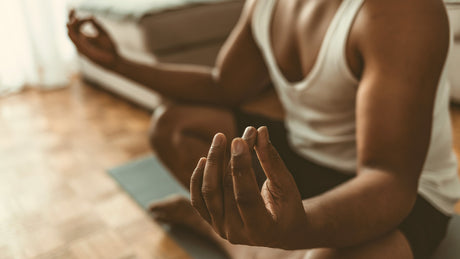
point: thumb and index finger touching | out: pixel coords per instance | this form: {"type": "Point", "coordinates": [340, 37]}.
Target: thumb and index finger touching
{"type": "Point", "coordinates": [270, 160]}
{"type": "Point", "coordinates": [75, 23]}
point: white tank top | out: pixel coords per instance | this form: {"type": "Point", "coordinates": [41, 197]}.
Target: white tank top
{"type": "Point", "coordinates": [320, 109]}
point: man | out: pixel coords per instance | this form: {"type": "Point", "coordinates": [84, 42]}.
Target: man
{"type": "Point", "coordinates": [363, 165]}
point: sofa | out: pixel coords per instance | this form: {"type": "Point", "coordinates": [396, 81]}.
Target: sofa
{"type": "Point", "coordinates": [453, 10]}
{"type": "Point", "coordinates": [146, 31]}
{"type": "Point", "coordinates": [187, 31]}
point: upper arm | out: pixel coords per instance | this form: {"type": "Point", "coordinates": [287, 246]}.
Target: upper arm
{"type": "Point", "coordinates": [240, 68]}
{"type": "Point", "coordinates": [403, 45]}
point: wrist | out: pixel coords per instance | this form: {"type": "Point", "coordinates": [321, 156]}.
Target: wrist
{"type": "Point", "coordinates": [119, 65]}
{"type": "Point", "coordinates": [313, 231]}
{"type": "Point", "coordinates": [299, 235]}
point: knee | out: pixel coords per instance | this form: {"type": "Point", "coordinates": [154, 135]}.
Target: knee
{"type": "Point", "coordinates": [164, 125]}
{"type": "Point", "coordinates": [324, 253]}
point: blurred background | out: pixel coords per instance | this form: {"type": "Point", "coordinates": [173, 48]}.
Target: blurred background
{"type": "Point", "coordinates": [64, 121]}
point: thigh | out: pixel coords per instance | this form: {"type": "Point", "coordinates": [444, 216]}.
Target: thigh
{"type": "Point", "coordinates": [199, 121]}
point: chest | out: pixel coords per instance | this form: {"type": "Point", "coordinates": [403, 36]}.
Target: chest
{"type": "Point", "coordinates": [297, 32]}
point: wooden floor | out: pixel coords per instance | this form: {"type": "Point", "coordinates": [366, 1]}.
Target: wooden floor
{"type": "Point", "coordinates": [56, 200]}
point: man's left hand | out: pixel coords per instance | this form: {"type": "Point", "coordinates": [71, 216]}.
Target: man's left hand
{"type": "Point", "coordinates": [229, 199]}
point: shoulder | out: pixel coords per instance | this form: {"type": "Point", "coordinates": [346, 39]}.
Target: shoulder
{"type": "Point", "coordinates": [402, 31]}
{"type": "Point", "coordinates": [417, 22]}
{"type": "Point", "coordinates": [245, 19]}
{"type": "Point", "coordinates": [404, 12]}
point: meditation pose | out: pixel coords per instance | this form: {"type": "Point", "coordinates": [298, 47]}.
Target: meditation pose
{"type": "Point", "coordinates": [357, 162]}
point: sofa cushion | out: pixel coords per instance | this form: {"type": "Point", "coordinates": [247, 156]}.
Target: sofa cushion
{"type": "Point", "coordinates": [181, 29]}
{"type": "Point", "coordinates": [122, 9]}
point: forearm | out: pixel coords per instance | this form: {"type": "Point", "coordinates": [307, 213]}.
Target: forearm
{"type": "Point", "coordinates": [188, 83]}
{"type": "Point", "coordinates": [360, 210]}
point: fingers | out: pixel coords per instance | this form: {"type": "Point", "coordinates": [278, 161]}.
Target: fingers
{"type": "Point", "coordinates": [233, 224]}
{"type": "Point", "coordinates": [250, 136]}
{"type": "Point", "coordinates": [195, 191]}
{"type": "Point", "coordinates": [211, 188]}
{"type": "Point", "coordinates": [71, 15]}
{"type": "Point", "coordinates": [271, 162]}
{"type": "Point", "coordinates": [246, 191]}
{"type": "Point", "coordinates": [232, 218]}
{"type": "Point", "coordinates": [98, 26]}
{"type": "Point", "coordinates": [74, 27]}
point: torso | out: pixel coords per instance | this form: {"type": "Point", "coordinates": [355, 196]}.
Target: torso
{"type": "Point", "coordinates": [312, 51]}
{"type": "Point", "coordinates": [297, 32]}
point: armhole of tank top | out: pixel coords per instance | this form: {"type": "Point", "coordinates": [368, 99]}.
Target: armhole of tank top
{"type": "Point", "coordinates": [345, 66]}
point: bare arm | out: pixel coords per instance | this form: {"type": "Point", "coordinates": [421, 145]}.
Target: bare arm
{"type": "Point", "coordinates": [404, 46]}
{"type": "Point", "coordinates": [239, 73]}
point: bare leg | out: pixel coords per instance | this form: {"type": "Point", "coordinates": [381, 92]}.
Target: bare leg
{"type": "Point", "coordinates": [393, 245]}
{"type": "Point", "coordinates": [181, 134]}
{"type": "Point", "coordinates": [178, 210]}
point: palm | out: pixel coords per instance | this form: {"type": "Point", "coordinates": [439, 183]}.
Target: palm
{"type": "Point", "coordinates": [269, 197]}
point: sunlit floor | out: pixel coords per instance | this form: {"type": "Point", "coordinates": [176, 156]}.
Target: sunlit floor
{"type": "Point", "coordinates": [56, 200]}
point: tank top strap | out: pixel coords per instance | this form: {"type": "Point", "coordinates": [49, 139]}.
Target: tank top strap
{"type": "Point", "coordinates": [331, 50]}
{"type": "Point", "coordinates": [335, 52]}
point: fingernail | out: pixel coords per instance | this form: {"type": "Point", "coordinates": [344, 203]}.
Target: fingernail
{"type": "Point", "coordinates": [237, 147]}
{"type": "Point", "coordinates": [201, 163]}
{"type": "Point", "coordinates": [248, 132]}
{"type": "Point", "coordinates": [267, 135]}
{"type": "Point", "coordinates": [217, 141]}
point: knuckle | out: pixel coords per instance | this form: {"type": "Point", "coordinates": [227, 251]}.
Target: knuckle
{"type": "Point", "coordinates": [222, 234]}
{"type": "Point", "coordinates": [228, 181]}
{"type": "Point", "coordinates": [244, 199]}
{"type": "Point", "coordinates": [233, 238]}
{"type": "Point", "coordinates": [196, 203]}
{"type": "Point", "coordinates": [195, 180]}
{"type": "Point", "coordinates": [208, 192]}
{"type": "Point", "coordinates": [239, 164]}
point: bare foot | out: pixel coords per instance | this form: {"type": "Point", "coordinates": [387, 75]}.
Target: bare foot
{"type": "Point", "coordinates": [178, 210]}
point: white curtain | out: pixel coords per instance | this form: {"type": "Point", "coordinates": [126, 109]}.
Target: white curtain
{"type": "Point", "coordinates": [34, 48]}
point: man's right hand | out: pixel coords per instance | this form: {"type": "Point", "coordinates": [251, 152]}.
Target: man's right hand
{"type": "Point", "coordinates": [99, 48]}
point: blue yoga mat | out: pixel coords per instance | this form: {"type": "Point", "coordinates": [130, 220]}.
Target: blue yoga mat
{"type": "Point", "coordinates": [146, 180]}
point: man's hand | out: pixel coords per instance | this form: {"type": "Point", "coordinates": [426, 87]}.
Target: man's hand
{"type": "Point", "coordinates": [99, 48]}
{"type": "Point", "coordinates": [229, 199]}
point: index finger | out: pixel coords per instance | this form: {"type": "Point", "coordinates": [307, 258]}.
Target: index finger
{"type": "Point", "coordinates": [270, 160]}
{"type": "Point", "coordinates": [76, 24]}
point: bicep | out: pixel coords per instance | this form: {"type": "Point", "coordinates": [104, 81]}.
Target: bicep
{"type": "Point", "coordinates": [404, 54]}
{"type": "Point", "coordinates": [240, 68]}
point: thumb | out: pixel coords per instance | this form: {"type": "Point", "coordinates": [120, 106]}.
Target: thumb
{"type": "Point", "coordinates": [270, 160]}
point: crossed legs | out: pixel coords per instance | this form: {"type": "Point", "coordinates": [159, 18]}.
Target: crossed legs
{"type": "Point", "coordinates": [181, 134]}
